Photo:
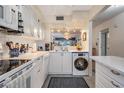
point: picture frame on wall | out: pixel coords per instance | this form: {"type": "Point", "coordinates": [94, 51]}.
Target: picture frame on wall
{"type": "Point", "coordinates": [84, 36]}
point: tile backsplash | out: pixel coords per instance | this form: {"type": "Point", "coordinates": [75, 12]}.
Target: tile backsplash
{"type": "Point", "coordinates": [16, 39]}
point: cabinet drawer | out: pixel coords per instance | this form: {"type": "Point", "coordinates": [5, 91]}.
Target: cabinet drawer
{"type": "Point", "coordinates": [98, 83]}
{"type": "Point", "coordinates": [114, 74]}
{"type": "Point", "coordinates": [106, 81]}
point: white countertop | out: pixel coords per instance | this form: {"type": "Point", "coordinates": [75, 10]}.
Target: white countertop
{"type": "Point", "coordinates": [78, 51]}
{"type": "Point", "coordinates": [25, 56]}
{"type": "Point", "coordinates": [69, 51]}
{"type": "Point", "coordinates": [110, 61]}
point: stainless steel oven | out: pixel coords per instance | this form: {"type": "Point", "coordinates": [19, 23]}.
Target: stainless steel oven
{"type": "Point", "coordinates": [20, 79]}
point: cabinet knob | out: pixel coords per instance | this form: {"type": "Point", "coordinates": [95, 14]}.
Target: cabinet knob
{"type": "Point", "coordinates": [115, 72]}
{"type": "Point", "coordinates": [38, 71]}
{"type": "Point", "coordinates": [115, 84]}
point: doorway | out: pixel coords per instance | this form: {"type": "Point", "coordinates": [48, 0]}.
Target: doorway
{"type": "Point", "coordinates": [104, 42]}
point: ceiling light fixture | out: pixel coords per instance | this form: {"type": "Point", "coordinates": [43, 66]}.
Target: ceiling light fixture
{"type": "Point", "coordinates": [67, 35]}
{"type": "Point", "coordinates": [58, 30]}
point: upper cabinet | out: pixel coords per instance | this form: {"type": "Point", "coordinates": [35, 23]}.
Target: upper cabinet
{"type": "Point", "coordinates": [9, 17]}
{"type": "Point", "coordinates": [2, 15]}
{"type": "Point", "coordinates": [22, 19]}
{"type": "Point", "coordinates": [12, 17]}
{"type": "Point", "coordinates": [27, 21]}
{"type": "Point", "coordinates": [32, 25]}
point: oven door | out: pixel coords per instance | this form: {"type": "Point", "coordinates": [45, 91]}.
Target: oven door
{"type": "Point", "coordinates": [2, 15]}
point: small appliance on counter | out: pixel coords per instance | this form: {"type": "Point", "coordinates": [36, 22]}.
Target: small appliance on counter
{"type": "Point", "coordinates": [40, 48]}
{"type": "Point", "coordinates": [15, 48]}
{"type": "Point", "coordinates": [47, 47]}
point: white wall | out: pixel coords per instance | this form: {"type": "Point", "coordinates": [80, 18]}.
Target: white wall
{"type": "Point", "coordinates": [95, 10]}
{"type": "Point", "coordinates": [116, 28]}
{"type": "Point", "coordinates": [16, 39]}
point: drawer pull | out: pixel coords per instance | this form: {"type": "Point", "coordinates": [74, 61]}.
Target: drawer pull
{"type": "Point", "coordinates": [38, 71]}
{"type": "Point", "coordinates": [115, 72]}
{"type": "Point", "coordinates": [115, 84]}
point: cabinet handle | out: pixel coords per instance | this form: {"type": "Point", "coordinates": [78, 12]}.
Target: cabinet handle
{"type": "Point", "coordinates": [13, 10]}
{"type": "Point", "coordinates": [115, 84]}
{"type": "Point", "coordinates": [115, 72]}
{"type": "Point", "coordinates": [38, 71]}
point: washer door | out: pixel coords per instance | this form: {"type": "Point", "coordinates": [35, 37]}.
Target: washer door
{"type": "Point", "coordinates": [81, 64]}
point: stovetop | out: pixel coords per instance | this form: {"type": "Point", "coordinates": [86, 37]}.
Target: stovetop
{"type": "Point", "coordinates": [8, 65]}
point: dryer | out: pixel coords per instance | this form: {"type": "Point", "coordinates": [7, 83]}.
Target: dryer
{"type": "Point", "coordinates": [80, 63]}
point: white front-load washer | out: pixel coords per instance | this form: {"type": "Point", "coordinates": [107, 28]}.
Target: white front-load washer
{"type": "Point", "coordinates": [80, 63]}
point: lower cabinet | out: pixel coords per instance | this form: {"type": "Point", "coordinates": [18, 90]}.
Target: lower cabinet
{"type": "Point", "coordinates": [45, 67]}
{"type": "Point", "coordinates": [37, 74]}
{"type": "Point", "coordinates": [108, 77]}
{"type": "Point", "coordinates": [60, 63]}
{"type": "Point", "coordinates": [40, 71]}
{"type": "Point", "coordinates": [55, 65]}
{"type": "Point", "coordinates": [67, 63]}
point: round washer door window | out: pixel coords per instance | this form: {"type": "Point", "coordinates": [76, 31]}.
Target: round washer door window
{"type": "Point", "coordinates": [81, 64]}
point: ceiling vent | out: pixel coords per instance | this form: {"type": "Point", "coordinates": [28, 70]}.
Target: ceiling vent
{"type": "Point", "coordinates": [59, 18]}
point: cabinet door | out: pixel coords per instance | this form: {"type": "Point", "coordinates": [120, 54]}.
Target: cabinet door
{"type": "Point", "coordinates": [12, 17]}
{"type": "Point", "coordinates": [67, 63]}
{"type": "Point", "coordinates": [27, 21]}
{"type": "Point", "coordinates": [46, 64]}
{"type": "Point", "coordinates": [37, 74]}
{"type": "Point", "coordinates": [2, 15]}
{"type": "Point", "coordinates": [8, 16]}
{"type": "Point", "coordinates": [55, 66]}
{"type": "Point", "coordinates": [45, 67]}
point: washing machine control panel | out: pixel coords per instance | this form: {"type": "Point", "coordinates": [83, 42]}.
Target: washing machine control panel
{"type": "Point", "coordinates": [80, 54]}
{"type": "Point", "coordinates": [83, 54]}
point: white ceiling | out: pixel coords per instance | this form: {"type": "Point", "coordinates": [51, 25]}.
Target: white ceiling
{"type": "Point", "coordinates": [75, 16]}
{"type": "Point", "coordinates": [62, 9]}
{"type": "Point", "coordinates": [108, 14]}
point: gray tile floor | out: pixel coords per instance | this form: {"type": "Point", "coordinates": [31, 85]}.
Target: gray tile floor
{"type": "Point", "coordinates": [89, 80]}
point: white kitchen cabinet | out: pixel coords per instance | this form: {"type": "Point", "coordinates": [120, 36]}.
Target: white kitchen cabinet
{"type": "Point", "coordinates": [31, 25]}
{"type": "Point", "coordinates": [35, 27]}
{"type": "Point", "coordinates": [108, 77]}
{"type": "Point", "coordinates": [60, 63]}
{"type": "Point", "coordinates": [55, 65]}
{"type": "Point", "coordinates": [9, 16]}
{"type": "Point", "coordinates": [45, 67]}
{"type": "Point", "coordinates": [37, 73]}
{"type": "Point", "coordinates": [27, 21]}
{"type": "Point", "coordinates": [12, 17]}
{"type": "Point", "coordinates": [2, 15]}
{"type": "Point", "coordinates": [67, 63]}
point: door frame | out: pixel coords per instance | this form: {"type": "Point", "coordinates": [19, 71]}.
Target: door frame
{"type": "Point", "coordinates": [106, 30]}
